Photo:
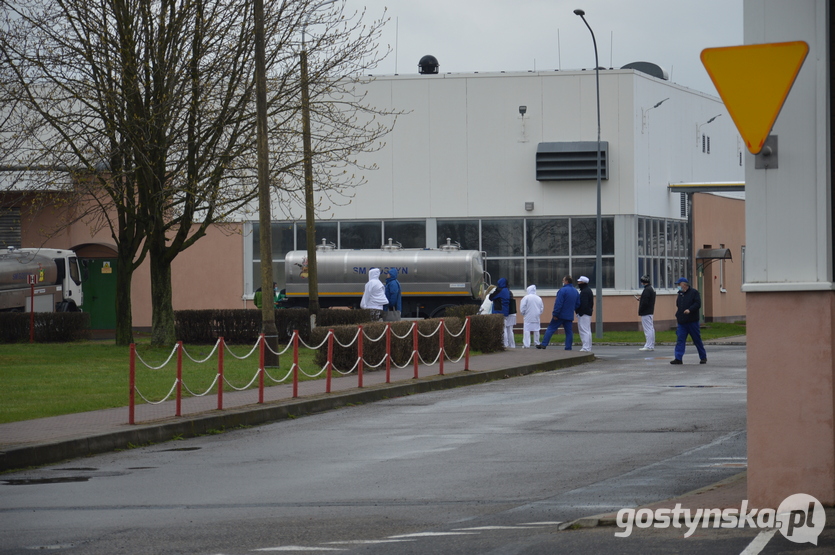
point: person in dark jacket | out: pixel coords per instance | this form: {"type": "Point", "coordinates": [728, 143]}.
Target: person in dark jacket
{"type": "Point", "coordinates": [584, 312]}
{"type": "Point", "coordinates": [646, 310]}
{"type": "Point", "coordinates": [501, 305]}
{"type": "Point", "coordinates": [393, 291]}
{"type": "Point", "coordinates": [688, 304]}
{"type": "Point", "coordinates": [568, 300]}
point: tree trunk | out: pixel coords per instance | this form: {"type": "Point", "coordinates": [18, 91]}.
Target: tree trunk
{"type": "Point", "coordinates": [162, 316]}
{"type": "Point", "coordinates": [124, 316]}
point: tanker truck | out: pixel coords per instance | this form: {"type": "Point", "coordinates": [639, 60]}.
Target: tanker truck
{"type": "Point", "coordinates": [431, 279]}
{"type": "Point", "coordinates": [56, 276]}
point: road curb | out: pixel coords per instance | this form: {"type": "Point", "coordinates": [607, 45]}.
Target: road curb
{"type": "Point", "coordinates": [253, 415]}
{"type": "Point", "coordinates": [610, 519]}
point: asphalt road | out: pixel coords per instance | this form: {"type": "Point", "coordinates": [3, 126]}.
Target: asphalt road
{"type": "Point", "coordinates": [492, 468]}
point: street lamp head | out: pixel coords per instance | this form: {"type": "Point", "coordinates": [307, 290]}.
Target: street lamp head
{"type": "Point", "coordinates": [579, 12]}
{"type": "Point", "coordinates": [661, 102]}
{"type": "Point", "coordinates": [713, 118]}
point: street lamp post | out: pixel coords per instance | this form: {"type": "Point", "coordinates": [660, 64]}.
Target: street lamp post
{"type": "Point", "coordinates": [264, 213]}
{"type": "Point", "coordinates": [310, 216]}
{"type": "Point", "coordinates": [599, 251]}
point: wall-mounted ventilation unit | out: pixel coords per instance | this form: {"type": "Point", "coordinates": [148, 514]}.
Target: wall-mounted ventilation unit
{"type": "Point", "coordinates": [571, 161]}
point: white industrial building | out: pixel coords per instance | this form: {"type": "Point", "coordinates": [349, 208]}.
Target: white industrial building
{"type": "Point", "coordinates": [506, 163]}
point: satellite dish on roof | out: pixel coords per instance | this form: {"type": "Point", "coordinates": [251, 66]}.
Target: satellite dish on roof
{"type": "Point", "coordinates": [428, 65]}
{"type": "Point", "coordinates": [649, 68]}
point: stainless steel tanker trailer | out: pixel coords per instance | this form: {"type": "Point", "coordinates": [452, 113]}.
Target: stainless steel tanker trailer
{"type": "Point", "coordinates": [56, 275]}
{"type": "Point", "coordinates": [431, 279]}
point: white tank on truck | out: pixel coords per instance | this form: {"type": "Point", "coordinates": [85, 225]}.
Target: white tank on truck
{"type": "Point", "coordinates": [431, 280]}
{"type": "Point", "coordinates": [56, 276]}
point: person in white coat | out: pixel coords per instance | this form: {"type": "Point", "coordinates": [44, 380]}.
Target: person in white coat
{"type": "Point", "coordinates": [531, 309]}
{"type": "Point", "coordinates": [487, 306]}
{"type": "Point", "coordinates": [374, 298]}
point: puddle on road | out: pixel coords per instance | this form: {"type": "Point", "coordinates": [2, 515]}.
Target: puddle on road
{"type": "Point", "coordinates": [36, 481]}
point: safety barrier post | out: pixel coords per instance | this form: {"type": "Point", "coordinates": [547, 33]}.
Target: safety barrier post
{"type": "Point", "coordinates": [467, 344]}
{"type": "Point", "coordinates": [220, 345]}
{"type": "Point", "coordinates": [295, 363]}
{"type": "Point", "coordinates": [261, 369]}
{"type": "Point", "coordinates": [415, 346]}
{"type": "Point", "coordinates": [179, 378]}
{"type": "Point", "coordinates": [359, 356]}
{"type": "Point", "coordinates": [388, 352]}
{"type": "Point", "coordinates": [442, 331]}
{"type": "Point", "coordinates": [330, 361]}
{"type": "Point", "coordinates": [132, 385]}
{"type": "Point", "coordinates": [32, 279]}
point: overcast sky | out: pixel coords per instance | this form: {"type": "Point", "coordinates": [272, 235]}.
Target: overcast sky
{"type": "Point", "coordinates": [520, 35]}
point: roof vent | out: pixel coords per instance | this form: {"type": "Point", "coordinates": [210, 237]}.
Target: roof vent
{"type": "Point", "coordinates": [650, 69]}
{"type": "Point", "coordinates": [428, 65]}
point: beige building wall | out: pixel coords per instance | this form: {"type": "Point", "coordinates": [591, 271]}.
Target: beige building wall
{"type": "Point", "coordinates": [719, 222]}
{"type": "Point", "coordinates": [209, 274]}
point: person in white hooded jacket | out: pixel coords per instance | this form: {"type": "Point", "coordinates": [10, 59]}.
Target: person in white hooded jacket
{"type": "Point", "coordinates": [374, 298]}
{"type": "Point", "coordinates": [531, 309]}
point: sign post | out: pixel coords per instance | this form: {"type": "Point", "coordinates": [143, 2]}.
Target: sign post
{"type": "Point", "coordinates": [33, 278]}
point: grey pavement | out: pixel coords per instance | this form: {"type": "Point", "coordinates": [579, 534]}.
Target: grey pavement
{"type": "Point", "coordinates": [51, 440]}
{"type": "Point", "coordinates": [54, 439]}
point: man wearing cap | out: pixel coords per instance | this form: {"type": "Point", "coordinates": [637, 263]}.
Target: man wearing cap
{"type": "Point", "coordinates": [584, 312]}
{"type": "Point", "coordinates": [646, 309]}
{"type": "Point", "coordinates": [688, 304]}
{"type": "Point", "coordinates": [568, 300]}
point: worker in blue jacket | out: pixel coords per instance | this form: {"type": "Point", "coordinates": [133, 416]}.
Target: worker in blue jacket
{"type": "Point", "coordinates": [393, 291]}
{"type": "Point", "coordinates": [688, 303]}
{"type": "Point", "coordinates": [568, 301]}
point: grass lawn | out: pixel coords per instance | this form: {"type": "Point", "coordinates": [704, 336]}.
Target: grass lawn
{"type": "Point", "coordinates": [713, 330]}
{"type": "Point", "coordinates": [39, 380]}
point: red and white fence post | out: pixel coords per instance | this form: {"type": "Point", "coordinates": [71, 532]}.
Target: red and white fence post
{"type": "Point", "coordinates": [220, 346]}
{"type": "Point", "coordinates": [179, 411]}
{"type": "Point", "coordinates": [359, 357]}
{"type": "Point", "coordinates": [415, 346]}
{"type": "Point", "coordinates": [442, 332]}
{"type": "Point", "coordinates": [132, 385]}
{"type": "Point", "coordinates": [388, 352]}
{"type": "Point", "coordinates": [330, 362]}
{"type": "Point", "coordinates": [261, 368]}
{"type": "Point", "coordinates": [467, 345]}
{"type": "Point", "coordinates": [295, 363]}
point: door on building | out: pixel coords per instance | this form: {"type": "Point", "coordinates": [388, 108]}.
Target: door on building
{"type": "Point", "coordinates": [99, 288]}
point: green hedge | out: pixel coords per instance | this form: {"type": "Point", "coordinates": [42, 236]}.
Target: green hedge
{"type": "Point", "coordinates": [344, 358]}
{"type": "Point", "coordinates": [487, 333]}
{"type": "Point", "coordinates": [50, 327]}
{"type": "Point", "coordinates": [242, 326]}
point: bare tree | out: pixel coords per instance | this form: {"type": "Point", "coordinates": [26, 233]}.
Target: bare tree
{"type": "Point", "coordinates": [151, 106]}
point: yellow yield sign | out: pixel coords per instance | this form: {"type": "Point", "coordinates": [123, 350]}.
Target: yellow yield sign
{"type": "Point", "coordinates": [753, 82]}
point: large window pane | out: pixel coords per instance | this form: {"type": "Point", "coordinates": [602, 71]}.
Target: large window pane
{"type": "Point", "coordinates": [547, 237]}
{"type": "Point", "coordinates": [584, 236]}
{"type": "Point", "coordinates": [411, 235]}
{"type": "Point", "coordinates": [547, 274]}
{"type": "Point", "coordinates": [585, 267]}
{"type": "Point", "coordinates": [360, 235]}
{"type": "Point", "coordinates": [324, 230]}
{"type": "Point", "coordinates": [282, 239]}
{"type": "Point", "coordinates": [511, 270]}
{"type": "Point", "coordinates": [502, 237]}
{"type": "Point", "coordinates": [463, 232]}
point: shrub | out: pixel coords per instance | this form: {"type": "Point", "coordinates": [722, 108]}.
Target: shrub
{"type": "Point", "coordinates": [242, 326]}
{"type": "Point", "coordinates": [50, 327]}
{"type": "Point", "coordinates": [487, 333]}
{"type": "Point", "coordinates": [402, 343]}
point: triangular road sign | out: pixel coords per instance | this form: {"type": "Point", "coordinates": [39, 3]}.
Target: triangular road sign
{"type": "Point", "coordinates": [753, 82]}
